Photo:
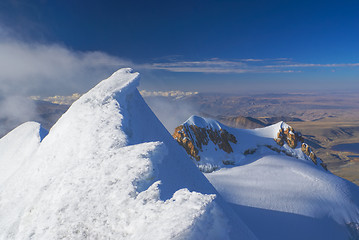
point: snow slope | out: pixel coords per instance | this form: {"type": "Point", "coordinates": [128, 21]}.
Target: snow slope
{"type": "Point", "coordinates": [294, 193]}
{"type": "Point", "coordinates": [18, 146]}
{"type": "Point", "coordinates": [108, 169]}
{"type": "Point", "coordinates": [278, 196]}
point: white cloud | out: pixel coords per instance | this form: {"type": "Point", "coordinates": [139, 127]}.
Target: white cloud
{"type": "Point", "coordinates": [311, 65]}
{"type": "Point", "coordinates": [30, 68]}
{"type": "Point", "coordinates": [14, 110]}
{"type": "Point", "coordinates": [215, 65]}
{"type": "Point", "coordinates": [207, 66]}
{"type": "Point", "coordinates": [171, 112]}
{"type": "Point", "coordinates": [39, 67]}
{"type": "Point", "coordinates": [174, 94]}
{"type": "Point", "coordinates": [47, 68]}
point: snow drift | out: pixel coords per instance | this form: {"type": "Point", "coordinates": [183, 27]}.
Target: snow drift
{"type": "Point", "coordinates": [108, 169]}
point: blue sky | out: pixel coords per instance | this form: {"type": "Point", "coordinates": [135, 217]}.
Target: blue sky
{"type": "Point", "coordinates": [205, 46]}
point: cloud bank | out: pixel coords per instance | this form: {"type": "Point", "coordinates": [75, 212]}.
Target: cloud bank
{"type": "Point", "coordinates": [171, 112]}
{"type": "Point", "coordinates": [47, 69]}
{"type": "Point", "coordinates": [31, 68]}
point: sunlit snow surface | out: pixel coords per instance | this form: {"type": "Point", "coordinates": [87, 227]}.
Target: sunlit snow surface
{"type": "Point", "coordinates": [298, 200]}
{"type": "Point", "coordinates": [108, 169]}
{"type": "Point", "coordinates": [280, 197]}
{"type": "Point", "coordinates": [18, 146]}
{"type": "Point", "coordinates": [248, 141]}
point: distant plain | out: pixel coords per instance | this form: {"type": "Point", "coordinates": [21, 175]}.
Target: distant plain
{"type": "Point", "coordinates": [325, 119]}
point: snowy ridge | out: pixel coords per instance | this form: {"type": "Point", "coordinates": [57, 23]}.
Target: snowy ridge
{"type": "Point", "coordinates": [17, 146]}
{"type": "Point", "coordinates": [203, 122]}
{"type": "Point", "coordinates": [108, 169]}
{"type": "Point", "coordinates": [278, 196]}
{"type": "Point", "coordinates": [247, 142]}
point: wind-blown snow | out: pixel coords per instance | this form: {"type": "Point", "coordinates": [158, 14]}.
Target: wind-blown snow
{"type": "Point", "coordinates": [108, 169]}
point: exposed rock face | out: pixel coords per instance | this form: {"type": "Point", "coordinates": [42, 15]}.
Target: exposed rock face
{"type": "Point", "coordinates": [292, 138]}
{"type": "Point", "coordinates": [212, 144]}
{"type": "Point", "coordinates": [313, 157]}
{"type": "Point", "coordinates": [193, 138]}
{"type": "Point", "coordinates": [308, 151]}
{"type": "Point", "coordinates": [280, 138]}
{"type": "Point", "coordinates": [184, 140]}
{"type": "Point", "coordinates": [289, 136]}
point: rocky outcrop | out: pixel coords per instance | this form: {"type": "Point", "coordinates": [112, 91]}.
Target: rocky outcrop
{"type": "Point", "coordinates": [308, 151]}
{"type": "Point", "coordinates": [280, 138]}
{"type": "Point", "coordinates": [184, 140]}
{"type": "Point", "coordinates": [289, 136]}
{"type": "Point", "coordinates": [195, 134]}
{"type": "Point", "coordinates": [293, 138]}
{"type": "Point", "coordinates": [313, 157]}
{"type": "Point", "coordinates": [192, 138]}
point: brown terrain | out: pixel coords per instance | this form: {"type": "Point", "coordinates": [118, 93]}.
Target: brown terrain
{"type": "Point", "coordinates": [325, 119]}
{"type": "Point", "coordinates": [328, 132]}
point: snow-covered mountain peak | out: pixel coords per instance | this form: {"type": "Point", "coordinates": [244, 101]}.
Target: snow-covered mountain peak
{"type": "Point", "coordinates": [270, 172]}
{"type": "Point", "coordinates": [197, 134]}
{"type": "Point", "coordinates": [203, 122]}
{"type": "Point", "coordinates": [108, 169]}
{"type": "Point", "coordinates": [123, 80]}
{"type": "Point", "coordinates": [213, 145]}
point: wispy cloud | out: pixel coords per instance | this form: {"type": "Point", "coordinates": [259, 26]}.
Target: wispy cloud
{"type": "Point", "coordinates": [311, 65]}
{"type": "Point", "coordinates": [44, 68]}
{"type": "Point", "coordinates": [172, 94]}
{"type": "Point", "coordinates": [31, 68]}
{"type": "Point", "coordinates": [215, 65]}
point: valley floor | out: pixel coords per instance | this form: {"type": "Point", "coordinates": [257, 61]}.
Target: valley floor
{"type": "Point", "coordinates": [326, 133]}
